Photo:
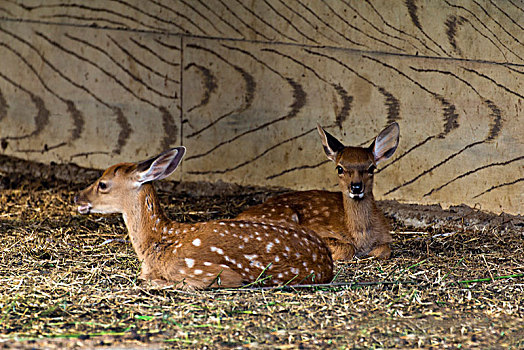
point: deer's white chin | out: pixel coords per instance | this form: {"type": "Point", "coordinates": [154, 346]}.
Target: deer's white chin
{"type": "Point", "coordinates": [359, 196]}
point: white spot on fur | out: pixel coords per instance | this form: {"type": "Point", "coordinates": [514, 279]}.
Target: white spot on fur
{"type": "Point", "coordinates": [277, 258]}
{"type": "Point", "coordinates": [269, 246]}
{"type": "Point", "coordinates": [197, 242]}
{"type": "Point", "coordinates": [295, 271]}
{"type": "Point", "coordinates": [277, 241]}
{"type": "Point", "coordinates": [190, 262]}
{"type": "Point", "coordinates": [218, 250]}
{"type": "Point", "coordinates": [207, 263]}
{"type": "Point", "coordinates": [222, 223]}
{"type": "Point", "coordinates": [250, 257]}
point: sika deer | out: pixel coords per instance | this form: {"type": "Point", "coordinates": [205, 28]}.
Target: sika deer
{"type": "Point", "coordinates": [225, 253]}
{"type": "Point", "coordinates": [349, 222]}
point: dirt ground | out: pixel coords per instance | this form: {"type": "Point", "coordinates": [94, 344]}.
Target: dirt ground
{"type": "Point", "coordinates": [456, 279]}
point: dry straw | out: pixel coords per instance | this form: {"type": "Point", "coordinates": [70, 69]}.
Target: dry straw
{"type": "Point", "coordinates": [68, 280]}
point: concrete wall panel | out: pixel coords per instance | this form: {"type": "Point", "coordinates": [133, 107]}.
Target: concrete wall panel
{"type": "Point", "coordinates": [243, 85]}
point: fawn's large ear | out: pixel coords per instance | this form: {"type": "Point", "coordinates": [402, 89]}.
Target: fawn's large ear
{"type": "Point", "coordinates": [160, 166]}
{"type": "Point", "coordinates": [385, 143]}
{"type": "Point", "coordinates": [331, 145]}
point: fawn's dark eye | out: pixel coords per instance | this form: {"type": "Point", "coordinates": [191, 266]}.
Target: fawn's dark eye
{"type": "Point", "coordinates": [372, 169]}
{"type": "Point", "coordinates": [102, 186]}
{"type": "Point", "coordinates": [340, 170]}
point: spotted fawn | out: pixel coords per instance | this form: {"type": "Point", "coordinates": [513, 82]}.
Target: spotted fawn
{"type": "Point", "coordinates": [223, 253]}
{"type": "Point", "coordinates": [348, 221]}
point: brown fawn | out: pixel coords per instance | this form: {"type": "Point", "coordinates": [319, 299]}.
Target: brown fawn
{"type": "Point", "coordinates": [348, 221]}
{"type": "Point", "coordinates": [223, 253]}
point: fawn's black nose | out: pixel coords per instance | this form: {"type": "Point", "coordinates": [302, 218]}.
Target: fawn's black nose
{"type": "Point", "coordinates": [356, 187]}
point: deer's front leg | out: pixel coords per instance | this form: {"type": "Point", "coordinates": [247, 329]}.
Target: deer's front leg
{"type": "Point", "coordinates": [382, 252]}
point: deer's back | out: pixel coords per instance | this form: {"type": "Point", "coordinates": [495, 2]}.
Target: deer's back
{"type": "Point", "coordinates": [246, 248]}
{"type": "Point", "coordinates": [305, 208]}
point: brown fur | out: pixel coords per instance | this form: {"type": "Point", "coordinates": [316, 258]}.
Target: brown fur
{"type": "Point", "coordinates": [344, 231]}
{"type": "Point", "coordinates": [225, 253]}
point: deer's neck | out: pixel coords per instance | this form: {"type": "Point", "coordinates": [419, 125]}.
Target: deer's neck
{"type": "Point", "coordinates": [145, 220]}
{"type": "Point", "coordinates": [357, 213]}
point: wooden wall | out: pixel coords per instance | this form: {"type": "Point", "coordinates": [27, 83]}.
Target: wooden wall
{"type": "Point", "coordinates": [243, 83]}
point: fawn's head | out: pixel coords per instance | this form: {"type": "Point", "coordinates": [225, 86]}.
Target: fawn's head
{"type": "Point", "coordinates": [356, 165]}
{"type": "Point", "coordinates": [120, 183]}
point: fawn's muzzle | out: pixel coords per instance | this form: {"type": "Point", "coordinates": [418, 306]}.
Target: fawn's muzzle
{"type": "Point", "coordinates": [83, 208]}
{"type": "Point", "coordinates": [356, 190]}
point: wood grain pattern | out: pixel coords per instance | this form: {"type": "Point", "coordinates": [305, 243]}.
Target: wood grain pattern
{"type": "Point", "coordinates": [473, 29]}
{"type": "Point", "coordinates": [89, 93]}
{"type": "Point", "coordinates": [243, 84]}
